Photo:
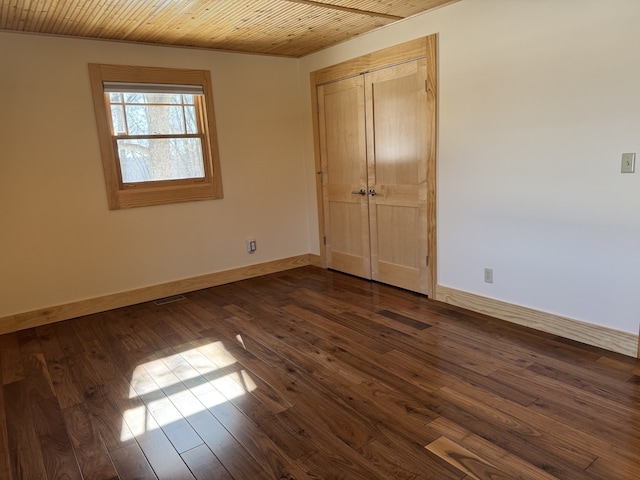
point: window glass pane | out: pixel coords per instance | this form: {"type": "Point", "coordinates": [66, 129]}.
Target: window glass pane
{"type": "Point", "coordinates": [176, 120]}
{"type": "Point", "coordinates": [134, 98]}
{"type": "Point", "coordinates": [166, 98]}
{"type": "Point", "coordinates": [155, 120]}
{"type": "Point", "coordinates": [115, 97]}
{"type": "Point", "coordinates": [117, 119]}
{"type": "Point", "coordinates": [190, 118]}
{"type": "Point", "coordinates": [160, 159]}
{"type": "Point", "coordinates": [138, 120]}
{"type": "Point", "coordinates": [189, 99]}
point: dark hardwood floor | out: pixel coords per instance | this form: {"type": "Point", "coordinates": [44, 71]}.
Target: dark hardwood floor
{"type": "Point", "coordinates": [311, 374]}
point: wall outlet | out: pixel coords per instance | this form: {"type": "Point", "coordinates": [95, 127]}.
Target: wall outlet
{"type": "Point", "coordinates": [628, 163]}
{"type": "Point", "coordinates": [251, 246]}
{"type": "Point", "coordinates": [488, 275]}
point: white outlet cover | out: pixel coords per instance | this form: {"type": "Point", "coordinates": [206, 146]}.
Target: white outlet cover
{"type": "Point", "coordinates": [488, 275]}
{"type": "Point", "coordinates": [628, 163]}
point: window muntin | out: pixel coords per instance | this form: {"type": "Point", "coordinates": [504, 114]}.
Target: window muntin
{"type": "Point", "coordinates": [157, 134]}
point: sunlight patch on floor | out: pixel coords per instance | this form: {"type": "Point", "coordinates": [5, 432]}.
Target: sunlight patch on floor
{"type": "Point", "coordinates": [186, 383]}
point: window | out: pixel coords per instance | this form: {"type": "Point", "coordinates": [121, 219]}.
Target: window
{"type": "Point", "coordinates": [157, 134]}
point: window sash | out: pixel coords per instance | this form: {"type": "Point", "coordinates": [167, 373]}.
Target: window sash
{"type": "Point", "coordinates": [198, 106]}
{"type": "Point", "coordinates": [184, 180]}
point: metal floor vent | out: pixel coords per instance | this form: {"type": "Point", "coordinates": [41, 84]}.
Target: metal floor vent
{"type": "Point", "coordinates": [165, 300]}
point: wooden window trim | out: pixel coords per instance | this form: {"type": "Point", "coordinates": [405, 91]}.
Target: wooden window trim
{"type": "Point", "coordinates": [122, 195]}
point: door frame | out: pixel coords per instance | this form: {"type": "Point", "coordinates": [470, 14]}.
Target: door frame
{"type": "Point", "coordinates": [424, 47]}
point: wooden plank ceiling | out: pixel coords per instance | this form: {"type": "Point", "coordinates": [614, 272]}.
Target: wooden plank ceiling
{"type": "Point", "coordinates": [291, 28]}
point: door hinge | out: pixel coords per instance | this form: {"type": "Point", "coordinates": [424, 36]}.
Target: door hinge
{"type": "Point", "coordinates": [324, 240]}
{"type": "Point", "coordinates": [426, 260]}
{"type": "Point", "coordinates": [426, 85]}
{"type": "Point", "coordinates": [321, 176]}
{"type": "Point", "coordinates": [317, 108]}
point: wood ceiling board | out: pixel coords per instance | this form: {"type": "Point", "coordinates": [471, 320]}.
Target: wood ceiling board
{"type": "Point", "coordinates": [291, 28]}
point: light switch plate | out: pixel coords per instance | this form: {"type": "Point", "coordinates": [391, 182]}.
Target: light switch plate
{"type": "Point", "coordinates": [628, 162]}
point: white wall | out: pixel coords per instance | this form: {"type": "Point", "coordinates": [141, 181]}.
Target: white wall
{"type": "Point", "coordinates": [537, 101]}
{"type": "Point", "coordinates": [60, 243]}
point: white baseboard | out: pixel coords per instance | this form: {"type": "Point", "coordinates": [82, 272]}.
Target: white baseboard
{"type": "Point", "coordinates": [596, 335]}
{"type": "Point", "coordinates": [43, 316]}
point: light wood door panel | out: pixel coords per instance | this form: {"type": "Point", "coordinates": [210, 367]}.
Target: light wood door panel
{"type": "Point", "coordinates": [397, 149]}
{"type": "Point", "coordinates": [343, 158]}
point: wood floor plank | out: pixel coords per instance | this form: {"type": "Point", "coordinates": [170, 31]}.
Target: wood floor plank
{"type": "Point", "coordinates": [521, 436]}
{"type": "Point", "coordinates": [12, 369]}
{"type": "Point", "coordinates": [25, 452]}
{"type": "Point", "coordinates": [93, 457]}
{"type": "Point", "coordinates": [480, 347]}
{"type": "Point", "coordinates": [506, 461]}
{"type": "Point", "coordinates": [5, 462]}
{"type": "Point", "coordinates": [174, 425]}
{"type": "Point", "coordinates": [310, 373]}
{"type": "Point", "coordinates": [261, 360]}
{"type": "Point", "coordinates": [323, 327]}
{"type": "Point", "coordinates": [332, 458]}
{"type": "Point", "coordinates": [59, 457]}
{"type": "Point", "coordinates": [467, 462]}
{"type": "Point", "coordinates": [119, 355]}
{"type": "Point", "coordinates": [337, 467]}
{"type": "Point", "coordinates": [100, 360]}
{"type": "Point", "coordinates": [611, 385]}
{"type": "Point", "coordinates": [267, 454]}
{"type": "Point", "coordinates": [346, 423]}
{"type": "Point", "coordinates": [109, 419]}
{"type": "Point", "coordinates": [286, 439]}
{"type": "Point", "coordinates": [566, 403]}
{"type": "Point", "coordinates": [567, 435]}
{"type": "Point", "coordinates": [400, 407]}
{"type": "Point", "coordinates": [505, 348]}
{"type": "Point", "coordinates": [38, 377]}
{"type": "Point", "coordinates": [64, 387]}
{"type": "Point", "coordinates": [405, 408]}
{"type": "Point", "coordinates": [204, 464]}
{"type": "Point", "coordinates": [621, 470]}
{"type": "Point", "coordinates": [224, 446]}
{"type": "Point", "coordinates": [413, 345]}
{"type": "Point", "coordinates": [620, 363]}
{"type": "Point", "coordinates": [403, 319]}
{"type": "Point", "coordinates": [290, 342]}
{"type": "Point", "coordinates": [131, 463]}
{"type": "Point", "coordinates": [401, 461]}
{"type": "Point", "coordinates": [489, 426]}
{"type": "Point", "coordinates": [162, 456]}
{"type": "Point", "coordinates": [236, 460]}
{"type": "Point", "coordinates": [68, 338]}
{"type": "Point", "coordinates": [48, 420]}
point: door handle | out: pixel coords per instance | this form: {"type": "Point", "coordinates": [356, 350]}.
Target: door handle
{"type": "Point", "coordinates": [372, 192]}
{"type": "Point", "coordinates": [361, 192]}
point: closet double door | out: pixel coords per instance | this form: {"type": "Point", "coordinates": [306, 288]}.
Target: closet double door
{"type": "Point", "coordinates": [373, 142]}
